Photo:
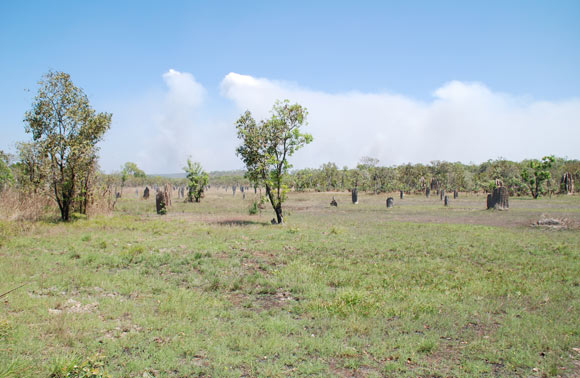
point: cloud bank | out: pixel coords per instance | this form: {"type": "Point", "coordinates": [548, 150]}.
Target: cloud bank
{"type": "Point", "coordinates": [463, 121]}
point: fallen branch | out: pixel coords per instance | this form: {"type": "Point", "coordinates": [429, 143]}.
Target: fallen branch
{"type": "Point", "coordinates": [10, 291]}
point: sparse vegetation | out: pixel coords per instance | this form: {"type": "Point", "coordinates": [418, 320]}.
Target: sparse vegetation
{"type": "Point", "coordinates": [209, 290]}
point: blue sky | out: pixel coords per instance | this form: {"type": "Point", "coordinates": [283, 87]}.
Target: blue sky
{"type": "Point", "coordinates": [516, 60]}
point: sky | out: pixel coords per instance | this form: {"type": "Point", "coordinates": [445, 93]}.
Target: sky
{"type": "Point", "coordinates": [411, 81]}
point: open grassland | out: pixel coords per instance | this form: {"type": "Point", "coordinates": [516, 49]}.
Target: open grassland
{"type": "Point", "coordinates": [358, 290]}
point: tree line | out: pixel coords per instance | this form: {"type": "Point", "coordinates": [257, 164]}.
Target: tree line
{"type": "Point", "coordinates": [61, 161]}
{"type": "Point", "coordinates": [369, 176]}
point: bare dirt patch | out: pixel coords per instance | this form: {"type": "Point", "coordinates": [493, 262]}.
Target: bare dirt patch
{"type": "Point", "coordinates": [73, 307]}
{"type": "Point", "coordinates": [264, 301]}
{"type": "Point", "coordinates": [555, 223]}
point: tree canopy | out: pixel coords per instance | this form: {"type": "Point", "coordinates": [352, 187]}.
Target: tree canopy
{"type": "Point", "coordinates": [131, 169]}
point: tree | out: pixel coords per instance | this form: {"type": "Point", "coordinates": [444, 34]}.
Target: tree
{"type": "Point", "coordinates": [6, 176]}
{"type": "Point", "coordinates": [131, 169]}
{"type": "Point", "coordinates": [330, 172]}
{"type": "Point", "coordinates": [65, 129]}
{"type": "Point", "coordinates": [540, 172]}
{"type": "Point", "coordinates": [32, 168]}
{"type": "Point", "coordinates": [197, 180]}
{"type": "Point", "coordinates": [267, 145]}
{"type": "Point", "coordinates": [368, 172]}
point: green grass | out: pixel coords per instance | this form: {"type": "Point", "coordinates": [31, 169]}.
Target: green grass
{"type": "Point", "coordinates": [208, 290]}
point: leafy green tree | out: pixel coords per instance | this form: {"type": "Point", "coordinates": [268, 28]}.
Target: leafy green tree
{"type": "Point", "coordinates": [303, 179]}
{"type": "Point", "coordinates": [65, 129]}
{"type": "Point", "coordinates": [6, 176]}
{"type": "Point", "coordinates": [330, 173]}
{"type": "Point", "coordinates": [267, 145]}
{"type": "Point", "coordinates": [197, 180]}
{"type": "Point", "coordinates": [536, 174]}
{"type": "Point", "coordinates": [32, 167]}
{"type": "Point", "coordinates": [440, 171]}
{"type": "Point", "coordinates": [457, 177]}
{"type": "Point", "coordinates": [386, 179]}
{"type": "Point", "coordinates": [131, 169]}
{"type": "Point", "coordinates": [368, 173]}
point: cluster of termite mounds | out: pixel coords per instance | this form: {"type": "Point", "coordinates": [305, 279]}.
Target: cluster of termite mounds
{"type": "Point", "coordinates": [499, 199]}
{"type": "Point", "coordinates": [391, 201]}
{"type": "Point", "coordinates": [434, 185]}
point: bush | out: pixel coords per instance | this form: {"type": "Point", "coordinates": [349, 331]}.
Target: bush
{"type": "Point", "coordinates": [92, 367]}
{"type": "Point", "coordinates": [254, 208]}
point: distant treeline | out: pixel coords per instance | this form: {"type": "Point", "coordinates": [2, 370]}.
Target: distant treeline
{"type": "Point", "coordinates": [370, 177]}
{"type": "Point", "coordinates": [367, 176]}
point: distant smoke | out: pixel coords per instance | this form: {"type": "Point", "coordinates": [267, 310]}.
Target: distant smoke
{"type": "Point", "coordinates": [175, 123]}
{"type": "Point", "coordinates": [159, 131]}
{"type": "Point", "coordinates": [464, 122]}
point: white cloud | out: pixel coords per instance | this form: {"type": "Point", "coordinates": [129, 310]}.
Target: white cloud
{"type": "Point", "coordinates": [463, 122]}
{"type": "Point", "coordinates": [184, 91]}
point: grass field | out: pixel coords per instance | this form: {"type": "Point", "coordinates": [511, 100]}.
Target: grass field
{"type": "Point", "coordinates": [358, 290]}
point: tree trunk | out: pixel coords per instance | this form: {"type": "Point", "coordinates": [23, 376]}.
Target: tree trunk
{"type": "Point", "coordinates": [277, 207]}
{"type": "Point", "coordinates": [65, 209]}
{"type": "Point", "coordinates": [65, 213]}
{"type": "Point", "coordinates": [279, 217]}
{"type": "Point", "coordinates": [435, 185]}
{"type": "Point", "coordinates": [536, 194]}
{"type": "Point", "coordinates": [66, 200]}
